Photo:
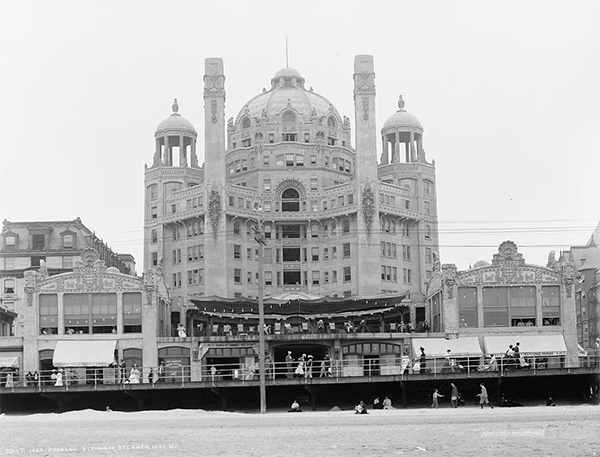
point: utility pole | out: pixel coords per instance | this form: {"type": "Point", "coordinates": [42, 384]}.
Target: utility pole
{"type": "Point", "coordinates": [259, 236]}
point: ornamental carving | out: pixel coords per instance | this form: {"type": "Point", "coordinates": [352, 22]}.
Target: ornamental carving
{"type": "Point", "coordinates": [449, 275]}
{"type": "Point", "coordinates": [368, 207]}
{"type": "Point", "coordinates": [508, 252]}
{"type": "Point", "coordinates": [213, 111]}
{"type": "Point", "coordinates": [214, 210]}
{"type": "Point", "coordinates": [366, 108]}
{"type": "Point", "coordinates": [568, 278]}
{"type": "Point", "coordinates": [290, 183]}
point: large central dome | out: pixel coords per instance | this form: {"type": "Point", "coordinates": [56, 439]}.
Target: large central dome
{"type": "Point", "coordinates": [287, 91]}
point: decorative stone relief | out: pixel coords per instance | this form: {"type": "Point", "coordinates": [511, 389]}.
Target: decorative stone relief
{"type": "Point", "coordinates": [368, 207]}
{"type": "Point", "coordinates": [365, 108]}
{"type": "Point", "coordinates": [213, 111]}
{"type": "Point", "coordinates": [449, 274]}
{"type": "Point", "coordinates": [214, 210]}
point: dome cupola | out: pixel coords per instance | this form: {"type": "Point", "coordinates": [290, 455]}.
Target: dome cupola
{"type": "Point", "coordinates": [175, 139]}
{"type": "Point", "coordinates": [402, 136]}
{"type": "Point", "coordinates": [175, 122]}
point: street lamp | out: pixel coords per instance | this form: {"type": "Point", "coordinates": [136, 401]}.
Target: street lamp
{"type": "Point", "coordinates": [259, 236]}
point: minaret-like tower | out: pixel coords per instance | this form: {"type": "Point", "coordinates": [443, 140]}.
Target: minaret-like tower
{"type": "Point", "coordinates": [215, 241]}
{"type": "Point", "coordinates": [368, 246]}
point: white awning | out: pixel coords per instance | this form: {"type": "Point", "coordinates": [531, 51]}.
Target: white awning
{"type": "Point", "coordinates": [439, 346]}
{"type": "Point", "coordinates": [529, 345]}
{"type": "Point", "coordinates": [9, 361]}
{"type": "Point", "coordinates": [84, 353]}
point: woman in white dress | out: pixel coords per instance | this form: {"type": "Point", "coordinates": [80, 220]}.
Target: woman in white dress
{"type": "Point", "coordinates": [134, 375]}
{"type": "Point", "coordinates": [300, 368]}
{"type": "Point", "coordinates": [59, 378]}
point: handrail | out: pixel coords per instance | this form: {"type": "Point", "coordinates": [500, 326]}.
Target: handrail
{"type": "Point", "coordinates": [276, 372]}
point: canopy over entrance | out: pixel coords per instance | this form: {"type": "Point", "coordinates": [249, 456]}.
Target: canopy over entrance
{"type": "Point", "coordinates": [11, 361]}
{"type": "Point", "coordinates": [529, 345]}
{"type": "Point", "coordinates": [439, 346]}
{"type": "Point", "coordinates": [84, 353]}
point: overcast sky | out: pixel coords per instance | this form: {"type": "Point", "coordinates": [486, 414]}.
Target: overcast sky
{"type": "Point", "coordinates": [508, 94]}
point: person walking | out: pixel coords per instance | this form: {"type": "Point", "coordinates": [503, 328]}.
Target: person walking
{"type": "Point", "coordinates": [123, 372]}
{"type": "Point", "coordinates": [134, 375]}
{"type": "Point", "coordinates": [325, 364]}
{"type": "Point", "coordinates": [161, 371]}
{"type": "Point", "coordinates": [483, 397]}
{"type": "Point", "coordinates": [300, 368]}
{"type": "Point", "coordinates": [454, 395]}
{"type": "Point", "coordinates": [435, 397]}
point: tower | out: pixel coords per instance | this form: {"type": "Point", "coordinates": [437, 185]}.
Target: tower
{"type": "Point", "coordinates": [215, 235]}
{"type": "Point", "coordinates": [368, 246]}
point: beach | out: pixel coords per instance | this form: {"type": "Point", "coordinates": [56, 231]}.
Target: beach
{"type": "Point", "coordinates": [465, 431]}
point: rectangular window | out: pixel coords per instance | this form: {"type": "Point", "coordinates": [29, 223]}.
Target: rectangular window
{"type": "Point", "coordinates": [428, 257]}
{"type": "Point", "coordinates": [267, 185]}
{"type": "Point", "coordinates": [427, 208]}
{"type": "Point", "coordinates": [154, 212]}
{"type": "Point", "coordinates": [249, 278]}
{"type": "Point", "coordinates": [271, 139]}
{"type": "Point", "coordinates": [325, 277]}
{"type": "Point", "coordinates": [247, 142]}
{"type": "Point", "coordinates": [268, 278]}
{"type": "Point", "coordinates": [104, 312]}
{"type": "Point", "coordinates": [314, 184]}
{"type": "Point", "coordinates": [551, 305]}
{"type": "Point", "coordinates": [289, 160]}
{"type": "Point", "coordinates": [266, 160]}
{"type": "Point", "coordinates": [341, 201]}
{"type": "Point", "coordinates": [132, 312]}
{"type": "Point", "coordinates": [67, 262]}
{"type": "Point", "coordinates": [313, 159]}
{"type": "Point", "coordinates": [268, 254]}
{"type": "Point", "coordinates": [154, 259]}
{"type": "Point", "coordinates": [174, 208]}
{"type": "Point", "coordinates": [407, 204]}
{"type": "Point", "coordinates": [48, 313]}
{"type": "Point", "coordinates": [334, 252]}
{"type": "Point", "coordinates": [237, 252]}
{"type": "Point", "coordinates": [314, 205]}
{"type": "Point", "coordinates": [307, 137]}
{"type": "Point", "coordinates": [176, 233]}
{"type": "Point", "coordinates": [347, 274]}
{"type": "Point", "coordinates": [39, 242]}
{"type": "Point", "coordinates": [176, 256]}
{"type": "Point", "coordinates": [237, 275]}
{"type": "Point", "coordinates": [495, 307]}
{"type": "Point", "coordinates": [315, 277]}
{"type": "Point", "coordinates": [522, 306]}
{"type": "Point", "coordinates": [315, 254]}
{"type": "Point", "coordinates": [249, 253]}
{"type": "Point", "coordinates": [76, 310]}
{"type": "Point", "coordinates": [467, 306]}
{"type": "Point", "coordinates": [326, 253]}
{"type": "Point", "coordinates": [346, 250]}
{"type": "Point", "coordinates": [334, 276]}
{"type": "Point", "coordinates": [299, 160]}
{"type": "Point", "coordinates": [289, 137]}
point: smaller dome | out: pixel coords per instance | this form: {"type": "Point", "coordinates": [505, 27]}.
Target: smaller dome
{"type": "Point", "coordinates": [175, 121]}
{"type": "Point", "coordinates": [402, 118]}
{"type": "Point", "coordinates": [288, 72]}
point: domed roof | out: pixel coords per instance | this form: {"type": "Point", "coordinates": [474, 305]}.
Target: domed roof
{"type": "Point", "coordinates": [287, 72]}
{"type": "Point", "coordinates": [402, 118]}
{"type": "Point", "coordinates": [176, 121]}
{"type": "Point", "coordinates": [273, 102]}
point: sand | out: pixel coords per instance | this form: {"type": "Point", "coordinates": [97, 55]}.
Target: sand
{"type": "Point", "coordinates": [466, 431]}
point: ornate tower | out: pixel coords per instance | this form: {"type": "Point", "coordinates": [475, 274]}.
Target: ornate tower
{"type": "Point", "coordinates": [366, 176]}
{"type": "Point", "coordinates": [215, 240]}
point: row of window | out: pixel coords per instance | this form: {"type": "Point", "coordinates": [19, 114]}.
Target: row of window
{"type": "Point", "coordinates": [289, 117]}
{"type": "Point", "coordinates": [67, 263]}
{"type": "Point", "coordinates": [509, 306]}
{"type": "Point", "coordinates": [296, 231]}
{"type": "Point", "coordinates": [389, 226]}
{"type": "Point", "coordinates": [317, 277]}
{"type": "Point", "coordinates": [90, 313]}
{"type": "Point", "coordinates": [289, 160]}
{"type": "Point", "coordinates": [391, 201]}
{"type": "Point", "coordinates": [38, 242]}
{"type": "Point", "coordinates": [294, 254]}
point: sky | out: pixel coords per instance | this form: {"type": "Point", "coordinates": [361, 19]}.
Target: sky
{"type": "Point", "coordinates": [508, 94]}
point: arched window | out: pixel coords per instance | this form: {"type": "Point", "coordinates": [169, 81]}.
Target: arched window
{"type": "Point", "coordinates": [290, 200]}
{"type": "Point", "coordinates": [154, 237]}
{"type": "Point", "coordinates": [10, 241]}
{"type": "Point", "coordinates": [314, 231]}
{"type": "Point", "coordinates": [68, 241]}
{"type": "Point", "coordinates": [258, 137]}
{"type": "Point", "coordinates": [331, 122]}
{"type": "Point", "coordinates": [427, 232]}
{"type": "Point", "coordinates": [246, 123]}
{"type": "Point", "coordinates": [289, 117]}
{"type": "Point", "coordinates": [236, 228]}
{"type": "Point", "coordinates": [346, 226]}
{"type": "Point", "coordinates": [267, 231]}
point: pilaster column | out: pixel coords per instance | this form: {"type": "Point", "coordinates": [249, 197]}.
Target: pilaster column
{"type": "Point", "coordinates": [166, 158]}
{"type": "Point", "coordinates": [413, 157]}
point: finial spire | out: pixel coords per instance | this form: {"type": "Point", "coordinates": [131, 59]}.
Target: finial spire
{"type": "Point", "coordinates": [286, 52]}
{"type": "Point", "coordinates": [175, 106]}
{"type": "Point", "coordinates": [401, 102]}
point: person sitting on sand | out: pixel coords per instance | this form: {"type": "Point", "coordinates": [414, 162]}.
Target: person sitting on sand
{"type": "Point", "coordinates": [387, 403]}
{"type": "Point", "coordinates": [377, 404]}
{"type": "Point", "coordinates": [361, 408]}
{"type": "Point", "coordinates": [295, 408]}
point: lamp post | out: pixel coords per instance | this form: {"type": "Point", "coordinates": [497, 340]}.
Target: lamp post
{"type": "Point", "coordinates": [259, 236]}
